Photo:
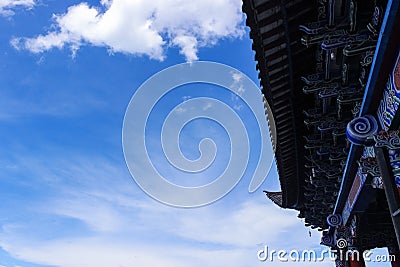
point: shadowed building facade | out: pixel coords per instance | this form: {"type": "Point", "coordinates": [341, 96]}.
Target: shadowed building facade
{"type": "Point", "coordinates": [330, 72]}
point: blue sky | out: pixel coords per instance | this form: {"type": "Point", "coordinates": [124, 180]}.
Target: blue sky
{"type": "Point", "coordinates": [68, 72]}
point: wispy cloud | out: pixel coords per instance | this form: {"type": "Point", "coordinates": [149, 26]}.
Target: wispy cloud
{"type": "Point", "coordinates": [95, 216]}
{"type": "Point", "coordinates": [7, 7]}
{"type": "Point", "coordinates": [237, 84]}
{"type": "Point", "coordinates": [58, 103]}
{"type": "Point", "coordinates": [207, 106]}
{"type": "Point", "coordinates": [238, 87]}
{"type": "Point", "coordinates": [142, 27]}
{"type": "Point", "coordinates": [179, 110]}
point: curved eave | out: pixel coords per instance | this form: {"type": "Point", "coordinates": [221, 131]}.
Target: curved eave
{"type": "Point", "coordinates": [275, 197]}
{"type": "Point", "coordinates": [280, 57]}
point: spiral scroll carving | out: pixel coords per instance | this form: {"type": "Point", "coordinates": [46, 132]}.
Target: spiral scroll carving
{"type": "Point", "coordinates": [360, 130]}
{"type": "Point", "coordinates": [327, 240]}
{"type": "Point", "coordinates": [334, 220]}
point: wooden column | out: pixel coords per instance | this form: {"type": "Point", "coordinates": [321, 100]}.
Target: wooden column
{"type": "Point", "coordinates": [394, 256]}
{"type": "Point", "coordinates": [354, 262]}
{"type": "Point", "coordinates": [390, 187]}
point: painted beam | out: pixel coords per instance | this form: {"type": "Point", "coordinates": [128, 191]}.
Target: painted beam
{"type": "Point", "coordinates": [384, 59]}
{"type": "Point", "coordinates": [390, 187]}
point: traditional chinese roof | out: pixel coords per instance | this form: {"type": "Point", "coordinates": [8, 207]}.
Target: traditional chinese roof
{"type": "Point", "coordinates": [276, 197]}
{"type": "Point", "coordinates": [280, 56]}
{"type": "Point", "coordinates": [313, 61]}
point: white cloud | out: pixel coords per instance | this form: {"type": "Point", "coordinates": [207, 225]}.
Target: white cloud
{"type": "Point", "coordinates": [208, 105]}
{"type": "Point", "coordinates": [238, 107]}
{"type": "Point", "coordinates": [179, 110]}
{"type": "Point", "coordinates": [237, 76]}
{"type": "Point", "coordinates": [106, 253]}
{"type": "Point", "coordinates": [161, 236]}
{"type": "Point", "coordinates": [7, 6]}
{"type": "Point", "coordinates": [237, 84]}
{"type": "Point", "coordinates": [141, 27]}
{"type": "Point", "coordinates": [188, 45]}
{"type": "Point", "coordinates": [238, 87]}
{"type": "Point", "coordinates": [122, 227]}
{"type": "Point", "coordinates": [63, 102]}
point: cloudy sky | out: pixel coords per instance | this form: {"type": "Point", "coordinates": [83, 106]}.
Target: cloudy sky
{"type": "Point", "coordinates": [68, 72]}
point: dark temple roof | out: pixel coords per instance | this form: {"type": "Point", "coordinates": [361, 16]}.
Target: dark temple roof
{"type": "Point", "coordinates": [276, 197]}
{"type": "Point", "coordinates": [281, 60]}
{"type": "Point", "coordinates": [313, 59]}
